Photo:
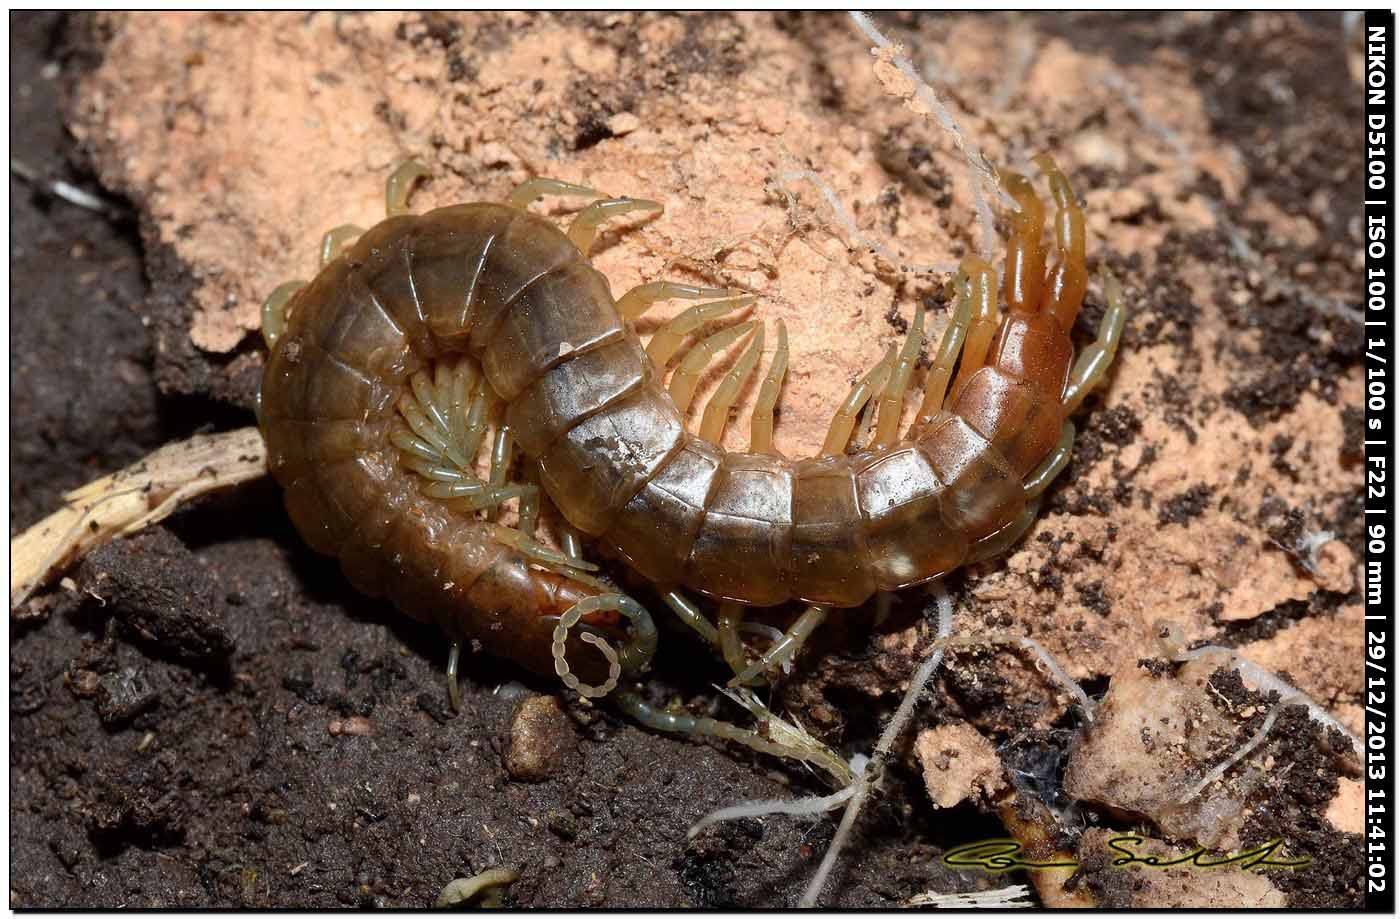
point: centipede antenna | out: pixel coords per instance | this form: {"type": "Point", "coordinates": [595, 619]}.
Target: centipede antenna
{"type": "Point", "coordinates": [716, 415]}
{"type": "Point", "coordinates": [632, 658]}
{"type": "Point", "coordinates": [892, 399]}
{"type": "Point", "coordinates": [844, 422]}
{"type": "Point", "coordinates": [761, 424]}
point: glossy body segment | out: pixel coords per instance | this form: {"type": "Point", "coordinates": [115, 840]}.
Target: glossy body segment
{"type": "Point", "coordinates": [586, 406]}
{"type": "Point", "coordinates": [406, 293]}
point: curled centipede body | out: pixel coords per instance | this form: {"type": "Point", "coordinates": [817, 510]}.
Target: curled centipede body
{"type": "Point", "coordinates": [372, 403]}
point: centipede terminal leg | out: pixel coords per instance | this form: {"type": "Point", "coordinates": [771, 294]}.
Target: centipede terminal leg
{"type": "Point", "coordinates": [1024, 275]}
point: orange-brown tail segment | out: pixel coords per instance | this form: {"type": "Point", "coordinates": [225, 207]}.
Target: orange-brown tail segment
{"type": "Point", "coordinates": [1015, 400]}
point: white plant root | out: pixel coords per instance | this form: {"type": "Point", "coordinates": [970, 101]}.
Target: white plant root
{"type": "Point", "coordinates": [124, 502]}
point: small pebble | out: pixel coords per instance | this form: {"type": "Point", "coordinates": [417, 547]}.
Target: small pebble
{"type": "Point", "coordinates": [541, 738]}
{"type": "Point", "coordinates": [356, 726]}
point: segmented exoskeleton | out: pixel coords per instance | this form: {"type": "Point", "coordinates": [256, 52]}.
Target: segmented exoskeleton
{"type": "Point", "coordinates": [375, 398]}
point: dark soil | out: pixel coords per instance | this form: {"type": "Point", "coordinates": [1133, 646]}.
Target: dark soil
{"type": "Point", "coordinates": [213, 718]}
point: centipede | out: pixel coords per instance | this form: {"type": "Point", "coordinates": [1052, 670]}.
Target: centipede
{"type": "Point", "coordinates": [386, 369]}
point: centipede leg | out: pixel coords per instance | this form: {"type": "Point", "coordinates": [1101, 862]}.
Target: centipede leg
{"type": "Point", "coordinates": [454, 688]}
{"type": "Point", "coordinates": [399, 186]}
{"type": "Point", "coordinates": [731, 616]}
{"type": "Point", "coordinates": [335, 241]}
{"type": "Point", "coordinates": [531, 190]}
{"type": "Point", "coordinates": [1093, 362]}
{"type": "Point", "coordinates": [892, 399]}
{"type": "Point", "coordinates": [716, 415]}
{"type": "Point", "coordinates": [787, 647]}
{"type": "Point", "coordinates": [687, 375]}
{"type": "Point", "coordinates": [667, 340]}
{"type": "Point", "coordinates": [502, 455]}
{"type": "Point", "coordinates": [936, 385]}
{"type": "Point", "coordinates": [634, 303]}
{"type": "Point", "coordinates": [994, 544]}
{"type": "Point", "coordinates": [844, 422]}
{"type": "Point", "coordinates": [570, 541]}
{"type": "Point", "coordinates": [1040, 477]}
{"type": "Point", "coordinates": [584, 230]}
{"type": "Point", "coordinates": [274, 311]}
{"type": "Point", "coordinates": [795, 744]}
{"type": "Point", "coordinates": [761, 424]}
{"type": "Point", "coordinates": [686, 610]}
{"type": "Point", "coordinates": [983, 322]}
